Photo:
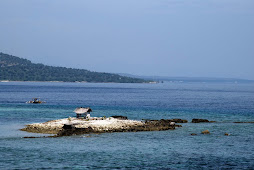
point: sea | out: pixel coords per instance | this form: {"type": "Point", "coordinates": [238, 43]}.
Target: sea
{"type": "Point", "coordinates": [224, 103]}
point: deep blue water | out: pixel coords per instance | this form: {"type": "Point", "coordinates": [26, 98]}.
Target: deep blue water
{"type": "Point", "coordinates": [174, 149]}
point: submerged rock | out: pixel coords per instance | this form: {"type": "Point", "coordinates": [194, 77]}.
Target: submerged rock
{"type": "Point", "coordinates": [40, 136]}
{"type": "Point", "coordinates": [193, 134]}
{"type": "Point", "coordinates": [243, 122]}
{"type": "Point", "coordinates": [205, 132]}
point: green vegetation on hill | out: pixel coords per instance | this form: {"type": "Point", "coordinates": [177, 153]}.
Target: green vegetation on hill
{"type": "Point", "coordinates": [18, 69]}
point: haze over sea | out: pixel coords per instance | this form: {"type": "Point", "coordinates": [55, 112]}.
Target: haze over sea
{"type": "Point", "coordinates": [224, 103]}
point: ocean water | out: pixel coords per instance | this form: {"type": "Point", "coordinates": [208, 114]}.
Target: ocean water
{"type": "Point", "coordinates": [173, 149]}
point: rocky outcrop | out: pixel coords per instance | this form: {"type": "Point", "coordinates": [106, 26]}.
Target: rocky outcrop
{"type": "Point", "coordinates": [149, 125]}
{"type": "Point", "coordinates": [171, 120]}
{"type": "Point", "coordinates": [179, 120]}
{"type": "Point", "coordinates": [120, 117]}
{"type": "Point", "coordinates": [44, 128]}
{"type": "Point", "coordinates": [199, 121]}
{"type": "Point", "coordinates": [75, 126]}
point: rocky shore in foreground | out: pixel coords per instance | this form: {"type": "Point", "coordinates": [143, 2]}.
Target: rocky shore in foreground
{"type": "Point", "coordinates": [76, 126]}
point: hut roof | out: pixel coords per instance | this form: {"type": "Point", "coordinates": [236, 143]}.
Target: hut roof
{"type": "Point", "coordinates": [82, 110]}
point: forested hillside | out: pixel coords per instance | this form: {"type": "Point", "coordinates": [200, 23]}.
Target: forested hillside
{"type": "Point", "coordinates": [18, 69]}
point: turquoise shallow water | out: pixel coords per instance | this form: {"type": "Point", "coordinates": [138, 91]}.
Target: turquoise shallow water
{"type": "Point", "coordinates": [177, 149]}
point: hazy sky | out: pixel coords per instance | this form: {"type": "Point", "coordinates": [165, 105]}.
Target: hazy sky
{"type": "Point", "coordinates": [196, 38]}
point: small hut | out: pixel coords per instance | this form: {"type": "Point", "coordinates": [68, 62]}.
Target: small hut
{"type": "Point", "coordinates": [83, 112]}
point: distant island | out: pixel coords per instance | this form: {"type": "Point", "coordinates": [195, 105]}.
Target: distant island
{"type": "Point", "coordinates": [18, 69]}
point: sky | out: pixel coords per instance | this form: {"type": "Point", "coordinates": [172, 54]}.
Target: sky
{"type": "Point", "coordinates": [187, 38]}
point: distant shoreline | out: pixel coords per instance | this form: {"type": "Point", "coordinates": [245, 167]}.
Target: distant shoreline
{"type": "Point", "coordinates": [19, 69]}
{"type": "Point", "coordinates": [152, 82]}
{"type": "Point", "coordinates": [7, 81]}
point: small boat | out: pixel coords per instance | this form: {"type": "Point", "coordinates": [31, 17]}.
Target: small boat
{"type": "Point", "coordinates": [36, 101]}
